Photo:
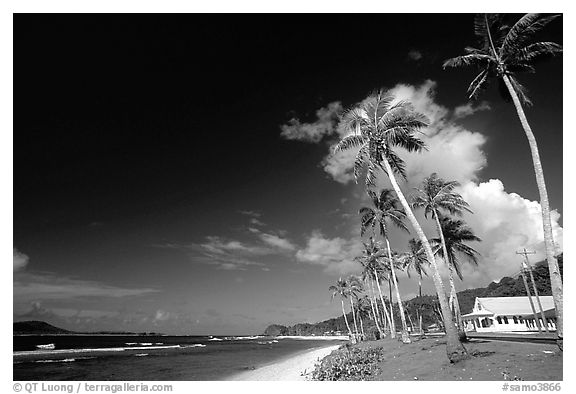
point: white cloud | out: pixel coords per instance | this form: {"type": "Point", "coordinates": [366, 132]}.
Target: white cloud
{"type": "Point", "coordinates": [324, 125]}
{"type": "Point", "coordinates": [506, 222]}
{"type": "Point", "coordinates": [20, 260]}
{"type": "Point", "coordinates": [334, 254]}
{"type": "Point", "coordinates": [277, 242]}
{"type": "Point", "coordinates": [468, 109]}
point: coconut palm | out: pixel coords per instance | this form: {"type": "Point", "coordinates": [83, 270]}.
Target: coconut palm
{"type": "Point", "coordinates": [455, 234]}
{"type": "Point", "coordinates": [376, 127]}
{"type": "Point", "coordinates": [354, 289]}
{"type": "Point", "coordinates": [367, 278]}
{"type": "Point", "coordinates": [435, 196]}
{"type": "Point", "coordinates": [363, 308]}
{"type": "Point", "coordinates": [415, 259]}
{"type": "Point", "coordinates": [504, 52]}
{"type": "Point", "coordinates": [386, 210]}
{"type": "Point", "coordinates": [370, 261]}
{"type": "Point", "coordinates": [341, 289]}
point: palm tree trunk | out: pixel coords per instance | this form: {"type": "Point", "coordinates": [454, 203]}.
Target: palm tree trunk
{"type": "Point", "coordinates": [374, 312]}
{"type": "Point", "coordinates": [362, 328]}
{"type": "Point", "coordinates": [346, 320]}
{"type": "Point", "coordinates": [405, 335]}
{"type": "Point", "coordinates": [354, 316]}
{"type": "Point", "coordinates": [391, 306]}
{"type": "Point", "coordinates": [390, 321]}
{"type": "Point", "coordinates": [454, 348]}
{"type": "Point", "coordinates": [555, 278]}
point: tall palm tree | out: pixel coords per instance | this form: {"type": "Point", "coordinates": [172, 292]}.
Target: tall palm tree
{"type": "Point", "coordinates": [367, 277]}
{"type": "Point", "coordinates": [354, 289]}
{"type": "Point", "coordinates": [391, 263]}
{"type": "Point", "coordinates": [363, 308]}
{"type": "Point", "coordinates": [504, 52]}
{"type": "Point", "coordinates": [415, 259]}
{"type": "Point", "coordinates": [370, 261]}
{"type": "Point", "coordinates": [455, 234]}
{"type": "Point", "coordinates": [435, 196]}
{"type": "Point", "coordinates": [386, 210]}
{"type": "Point", "coordinates": [376, 127]}
{"type": "Point", "coordinates": [341, 289]}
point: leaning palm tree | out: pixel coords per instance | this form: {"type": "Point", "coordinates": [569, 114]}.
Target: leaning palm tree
{"type": "Point", "coordinates": [435, 196]}
{"type": "Point", "coordinates": [415, 259]}
{"type": "Point", "coordinates": [376, 127]}
{"type": "Point", "coordinates": [455, 234]}
{"type": "Point", "coordinates": [370, 261]}
{"type": "Point", "coordinates": [367, 277]}
{"type": "Point", "coordinates": [341, 289]}
{"type": "Point", "coordinates": [504, 52]}
{"type": "Point", "coordinates": [386, 211]}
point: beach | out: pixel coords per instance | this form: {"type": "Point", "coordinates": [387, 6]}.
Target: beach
{"type": "Point", "coordinates": [293, 368]}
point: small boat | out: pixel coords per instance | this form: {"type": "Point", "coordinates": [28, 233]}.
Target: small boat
{"type": "Point", "coordinates": [49, 346]}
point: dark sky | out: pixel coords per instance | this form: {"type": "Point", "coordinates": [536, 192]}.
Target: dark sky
{"type": "Point", "coordinates": [141, 143]}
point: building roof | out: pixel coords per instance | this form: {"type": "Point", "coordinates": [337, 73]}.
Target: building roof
{"type": "Point", "coordinates": [510, 306]}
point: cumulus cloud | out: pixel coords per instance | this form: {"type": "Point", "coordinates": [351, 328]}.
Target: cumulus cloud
{"type": "Point", "coordinates": [20, 260]}
{"type": "Point", "coordinates": [324, 125]}
{"type": "Point", "coordinates": [505, 221]}
{"type": "Point", "coordinates": [335, 255]}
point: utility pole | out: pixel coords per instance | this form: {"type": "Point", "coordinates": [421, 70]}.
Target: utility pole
{"type": "Point", "coordinates": [527, 266]}
{"type": "Point", "coordinates": [523, 271]}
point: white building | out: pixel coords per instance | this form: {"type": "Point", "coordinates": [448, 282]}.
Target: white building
{"type": "Point", "coordinates": [499, 314]}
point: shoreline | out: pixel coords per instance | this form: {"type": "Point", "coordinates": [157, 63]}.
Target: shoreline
{"type": "Point", "coordinates": [295, 367]}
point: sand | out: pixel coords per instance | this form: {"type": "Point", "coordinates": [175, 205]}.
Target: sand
{"type": "Point", "coordinates": [294, 368]}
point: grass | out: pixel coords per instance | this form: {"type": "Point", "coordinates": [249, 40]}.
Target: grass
{"type": "Point", "coordinates": [425, 359]}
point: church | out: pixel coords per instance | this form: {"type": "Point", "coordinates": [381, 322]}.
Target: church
{"type": "Point", "coordinates": [510, 314]}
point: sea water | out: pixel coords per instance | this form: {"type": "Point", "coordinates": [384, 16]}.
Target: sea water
{"type": "Point", "coordinates": [123, 357]}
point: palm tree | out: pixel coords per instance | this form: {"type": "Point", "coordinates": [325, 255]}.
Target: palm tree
{"type": "Point", "coordinates": [455, 234]}
{"type": "Point", "coordinates": [363, 308]}
{"type": "Point", "coordinates": [391, 263]}
{"type": "Point", "coordinates": [376, 127]}
{"type": "Point", "coordinates": [370, 261]}
{"type": "Point", "coordinates": [504, 52]}
{"type": "Point", "coordinates": [367, 277]}
{"type": "Point", "coordinates": [341, 289]}
{"type": "Point", "coordinates": [438, 195]}
{"type": "Point", "coordinates": [415, 259]}
{"type": "Point", "coordinates": [354, 288]}
{"type": "Point", "coordinates": [386, 210]}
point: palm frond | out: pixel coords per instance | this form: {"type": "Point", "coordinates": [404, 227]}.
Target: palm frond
{"type": "Point", "coordinates": [349, 142]}
{"type": "Point", "coordinates": [478, 84]}
{"type": "Point", "coordinates": [472, 59]}
{"type": "Point", "coordinates": [537, 50]}
{"type": "Point", "coordinates": [524, 30]}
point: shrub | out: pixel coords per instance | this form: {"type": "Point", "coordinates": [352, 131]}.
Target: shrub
{"type": "Point", "coordinates": [353, 364]}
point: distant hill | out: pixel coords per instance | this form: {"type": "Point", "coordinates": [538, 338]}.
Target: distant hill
{"type": "Point", "coordinates": [35, 327]}
{"type": "Point", "coordinates": [428, 305]}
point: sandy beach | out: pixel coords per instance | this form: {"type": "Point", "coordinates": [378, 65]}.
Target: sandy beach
{"type": "Point", "coordinates": [291, 369]}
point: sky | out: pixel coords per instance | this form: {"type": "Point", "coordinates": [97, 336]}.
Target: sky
{"type": "Point", "coordinates": [174, 173]}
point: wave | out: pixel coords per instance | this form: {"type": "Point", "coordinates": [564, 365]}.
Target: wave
{"type": "Point", "coordinates": [316, 337]}
{"type": "Point", "coordinates": [49, 346]}
{"type": "Point", "coordinates": [140, 354]}
{"type": "Point", "coordinates": [66, 360]}
{"type": "Point", "coordinates": [243, 338]}
{"type": "Point", "coordinates": [215, 339]}
{"type": "Point", "coordinates": [267, 342]}
{"type": "Point", "coordinates": [194, 345]}
{"type": "Point", "coordinates": [93, 350]}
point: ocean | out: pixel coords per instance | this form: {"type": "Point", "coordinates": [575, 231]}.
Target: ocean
{"type": "Point", "coordinates": [141, 358]}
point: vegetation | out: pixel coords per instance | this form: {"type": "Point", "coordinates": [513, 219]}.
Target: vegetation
{"type": "Point", "coordinates": [506, 50]}
{"type": "Point", "coordinates": [376, 127]}
{"type": "Point", "coordinates": [352, 364]}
